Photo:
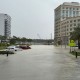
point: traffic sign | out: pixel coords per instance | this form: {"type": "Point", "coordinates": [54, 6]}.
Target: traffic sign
{"type": "Point", "coordinates": [72, 43]}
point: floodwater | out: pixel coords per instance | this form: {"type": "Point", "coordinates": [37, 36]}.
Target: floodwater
{"type": "Point", "coordinates": [42, 62]}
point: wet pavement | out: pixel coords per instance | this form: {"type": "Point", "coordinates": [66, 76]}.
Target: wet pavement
{"type": "Point", "coordinates": [42, 62]}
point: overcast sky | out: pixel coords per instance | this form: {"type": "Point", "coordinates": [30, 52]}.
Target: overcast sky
{"type": "Point", "coordinates": [31, 18]}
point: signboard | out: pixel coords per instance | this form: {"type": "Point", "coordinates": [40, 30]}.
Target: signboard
{"type": "Point", "coordinates": [72, 43]}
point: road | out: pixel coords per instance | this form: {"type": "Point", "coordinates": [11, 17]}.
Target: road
{"type": "Point", "coordinates": [42, 62]}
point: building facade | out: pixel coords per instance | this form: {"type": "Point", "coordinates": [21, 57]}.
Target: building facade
{"type": "Point", "coordinates": [5, 25]}
{"type": "Point", "coordinates": [67, 16]}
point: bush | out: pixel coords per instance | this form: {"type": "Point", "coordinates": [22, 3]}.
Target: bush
{"type": "Point", "coordinates": [6, 52]}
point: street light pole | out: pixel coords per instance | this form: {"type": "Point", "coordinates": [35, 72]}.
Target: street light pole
{"type": "Point", "coordinates": [65, 36]}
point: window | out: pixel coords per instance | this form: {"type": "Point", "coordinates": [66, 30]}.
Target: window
{"type": "Point", "coordinates": [74, 20]}
{"type": "Point", "coordinates": [67, 33]}
{"type": "Point", "coordinates": [67, 12]}
{"type": "Point", "coordinates": [63, 7]}
{"type": "Point", "coordinates": [73, 13]}
{"type": "Point", "coordinates": [67, 21]}
{"type": "Point", "coordinates": [74, 24]}
{"type": "Point", "coordinates": [67, 26]}
{"type": "Point", "coordinates": [70, 25]}
{"type": "Point", "coordinates": [77, 8]}
{"type": "Point", "coordinates": [70, 8]}
{"type": "Point", "coordinates": [78, 20]}
{"type": "Point", "coordinates": [73, 8]}
{"type": "Point", "coordinates": [70, 29]}
{"type": "Point", "coordinates": [79, 24]}
{"type": "Point", "coordinates": [63, 11]}
{"type": "Point", "coordinates": [66, 7]}
{"type": "Point", "coordinates": [71, 21]}
{"type": "Point", "coordinates": [70, 12]}
{"type": "Point", "coordinates": [77, 13]}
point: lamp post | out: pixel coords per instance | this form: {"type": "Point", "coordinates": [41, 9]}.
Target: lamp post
{"type": "Point", "coordinates": [65, 37]}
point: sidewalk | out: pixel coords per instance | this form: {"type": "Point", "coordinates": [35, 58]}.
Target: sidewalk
{"type": "Point", "coordinates": [66, 50]}
{"type": "Point", "coordinates": [2, 58]}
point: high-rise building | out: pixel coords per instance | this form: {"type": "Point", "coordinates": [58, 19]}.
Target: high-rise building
{"type": "Point", "coordinates": [67, 16]}
{"type": "Point", "coordinates": [5, 25]}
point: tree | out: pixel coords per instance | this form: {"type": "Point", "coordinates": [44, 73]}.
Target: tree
{"type": "Point", "coordinates": [12, 41]}
{"type": "Point", "coordinates": [75, 35]}
{"type": "Point", "coordinates": [29, 40]}
{"type": "Point", "coordinates": [23, 39]}
{"type": "Point", "coordinates": [3, 37]}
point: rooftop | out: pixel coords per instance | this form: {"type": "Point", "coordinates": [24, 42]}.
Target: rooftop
{"type": "Point", "coordinates": [71, 3]}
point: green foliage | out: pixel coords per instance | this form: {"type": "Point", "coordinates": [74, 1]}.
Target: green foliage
{"type": "Point", "coordinates": [74, 53]}
{"type": "Point", "coordinates": [6, 52]}
{"type": "Point", "coordinates": [12, 41]}
{"type": "Point", "coordinates": [3, 37]}
{"type": "Point", "coordinates": [23, 39]}
{"type": "Point", "coordinates": [3, 45]}
{"type": "Point", "coordinates": [18, 40]}
{"type": "Point", "coordinates": [29, 40]}
{"type": "Point", "coordinates": [75, 35]}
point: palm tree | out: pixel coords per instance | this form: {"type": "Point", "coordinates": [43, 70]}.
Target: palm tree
{"type": "Point", "coordinates": [75, 35]}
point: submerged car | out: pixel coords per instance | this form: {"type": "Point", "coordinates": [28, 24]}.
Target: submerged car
{"type": "Point", "coordinates": [25, 47]}
{"type": "Point", "coordinates": [12, 48]}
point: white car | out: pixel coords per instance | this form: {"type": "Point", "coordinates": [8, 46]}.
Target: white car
{"type": "Point", "coordinates": [12, 48]}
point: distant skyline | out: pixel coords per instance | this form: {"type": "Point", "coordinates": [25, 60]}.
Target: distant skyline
{"type": "Point", "coordinates": [31, 17]}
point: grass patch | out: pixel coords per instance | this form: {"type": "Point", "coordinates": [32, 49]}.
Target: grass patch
{"type": "Point", "coordinates": [6, 52]}
{"type": "Point", "coordinates": [2, 47]}
{"type": "Point", "coordinates": [74, 53]}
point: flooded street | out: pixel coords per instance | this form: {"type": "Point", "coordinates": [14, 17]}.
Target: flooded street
{"type": "Point", "coordinates": [42, 62]}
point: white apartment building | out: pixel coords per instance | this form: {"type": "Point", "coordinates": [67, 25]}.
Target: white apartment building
{"type": "Point", "coordinates": [67, 16]}
{"type": "Point", "coordinates": [5, 25]}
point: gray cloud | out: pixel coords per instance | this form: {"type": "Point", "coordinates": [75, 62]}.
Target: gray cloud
{"type": "Point", "coordinates": [31, 17]}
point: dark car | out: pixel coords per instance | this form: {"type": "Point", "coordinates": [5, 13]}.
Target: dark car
{"type": "Point", "coordinates": [25, 47]}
